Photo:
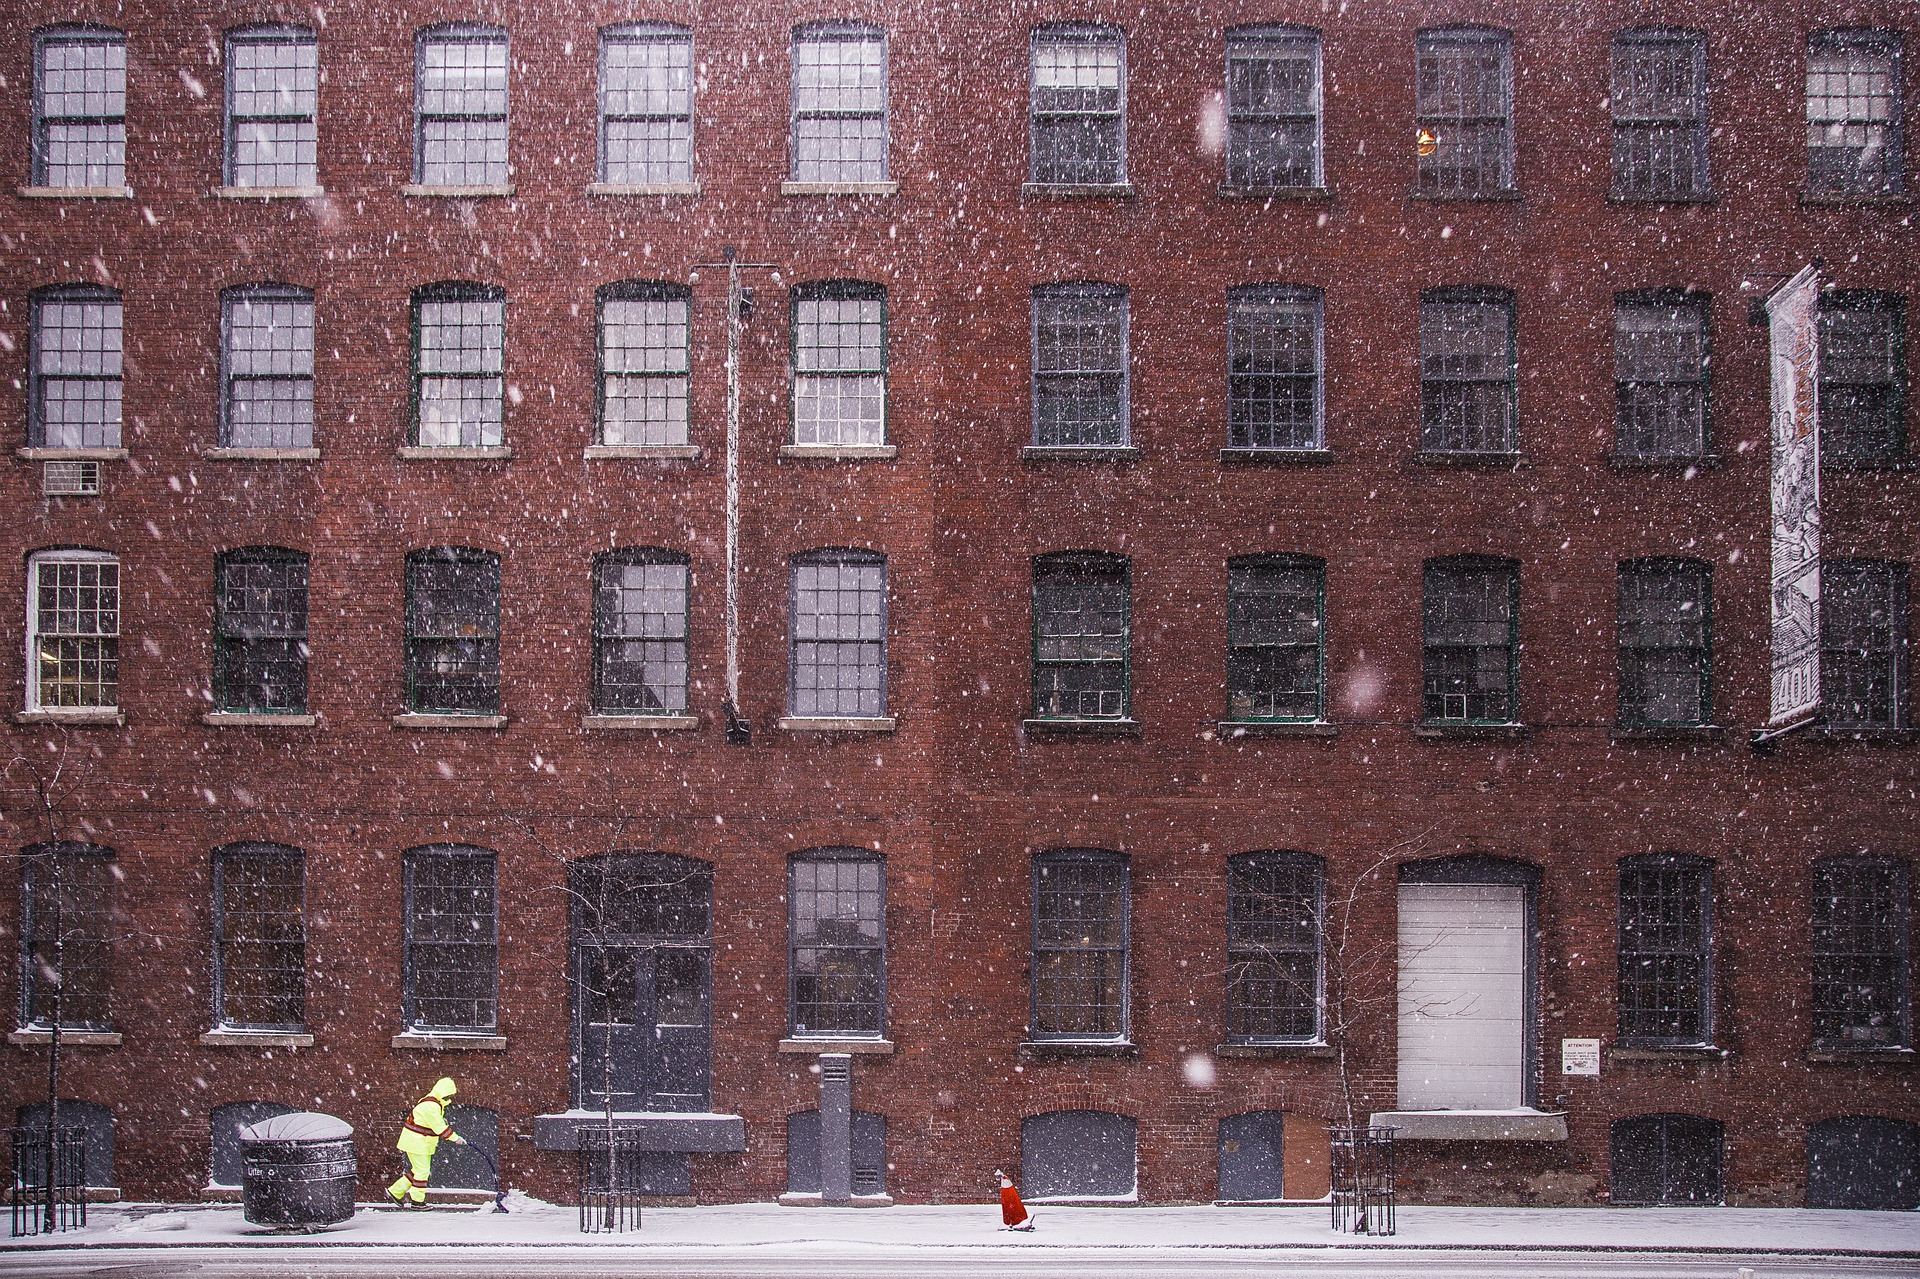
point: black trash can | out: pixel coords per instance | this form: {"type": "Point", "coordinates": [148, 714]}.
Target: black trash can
{"type": "Point", "coordinates": [300, 1170]}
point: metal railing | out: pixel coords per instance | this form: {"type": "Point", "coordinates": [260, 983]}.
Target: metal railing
{"type": "Point", "coordinates": [609, 1204]}
{"type": "Point", "coordinates": [40, 1157]}
{"type": "Point", "coordinates": [1362, 1172]}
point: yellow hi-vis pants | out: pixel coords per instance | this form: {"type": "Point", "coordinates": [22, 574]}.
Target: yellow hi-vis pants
{"type": "Point", "coordinates": [414, 1183]}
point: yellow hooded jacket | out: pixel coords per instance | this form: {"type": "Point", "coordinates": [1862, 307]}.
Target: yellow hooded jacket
{"type": "Point", "coordinates": [426, 1124]}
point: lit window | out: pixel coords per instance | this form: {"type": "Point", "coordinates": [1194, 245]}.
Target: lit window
{"type": "Point", "coordinates": [1080, 366]}
{"type": "Point", "coordinates": [1660, 375]}
{"type": "Point", "coordinates": [1276, 638]}
{"type": "Point", "coordinates": [1274, 940]}
{"type": "Point", "coordinates": [1470, 624]}
{"type": "Point", "coordinates": [1468, 372]}
{"type": "Point", "coordinates": [259, 938]}
{"type": "Point", "coordinates": [1659, 103]}
{"type": "Point", "coordinates": [1666, 952]}
{"type": "Point", "coordinates": [453, 632]}
{"type": "Point", "coordinates": [80, 108]}
{"type": "Point", "coordinates": [450, 917]}
{"type": "Point", "coordinates": [1079, 105]}
{"type": "Point", "coordinates": [460, 106]}
{"type": "Point", "coordinates": [646, 105]}
{"type": "Point", "coordinates": [1463, 91]}
{"type": "Point", "coordinates": [640, 633]}
{"type": "Point", "coordinates": [1863, 643]}
{"type": "Point", "coordinates": [1861, 982]}
{"type": "Point", "coordinates": [643, 363]}
{"type": "Point", "coordinates": [66, 936]}
{"type": "Point", "coordinates": [839, 103]}
{"type": "Point", "coordinates": [837, 943]}
{"type": "Point", "coordinates": [839, 654]}
{"type": "Point", "coordinates": [1863, 376]}
{"type": "Point", "coordinates": [73, 631]}
{"type": "Point", "coordinates": [1273, 108]}
{"type": "Point", "coordinates": [1854, 129]}
{"type": "Point", "coordinates": [1080, 636]}
{"type": "Point", "coordinates": [840, 363]}
{"type": "Point", "coordinates": [1666, 660]}
{"type": "Point", "coordinates": [74, 398]}
{"type": "Point", "coordinates": [459, 358]}
{"type": "Point", "coordinates": [260, 632]}
{"type": "Point", "coordinates": [1080, 940]}
{"type": "Point", "coordinates": [267, 367]}
{"type": "Point", "coordinates": [1274, 340]}
{"type": "Point", "coordinates": [273, 102]}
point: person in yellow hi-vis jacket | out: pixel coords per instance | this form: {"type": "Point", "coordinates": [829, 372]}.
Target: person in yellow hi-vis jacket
{"type": "Point", "coordinates": [420, 1134]}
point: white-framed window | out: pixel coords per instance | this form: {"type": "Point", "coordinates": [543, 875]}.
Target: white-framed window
{"type": "Point", "coordinates": [273, 107]}
{"type": "Point", "coordinates": [459, 362]}
{"type": "Point", "coordinates": [840, 363]}
{"type": "Point", "coordinates": [460, 106]}
{"type": "Point", "coordinates": [839, 103]}
{"type": "Point", "coordinates": [646, 104]}
{"type": "Point", "coordinates": [1078, 105]}
{"type": "Point", "coordinates": [80, 107]}
{"type": "Point", "coordinates": [1273, 108]}
{"type": "Point", "coordinates": [74, 368]}
{"type": "Point", "coordinates": [1463, 101]}
{"type": "Point", "coordinates": [73, 630]}
{"type": "Point", "coordinates": [266, 365]}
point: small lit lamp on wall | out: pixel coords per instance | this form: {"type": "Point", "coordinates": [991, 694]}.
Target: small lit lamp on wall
{"type": "Point", "coordinates": [1425, 142]}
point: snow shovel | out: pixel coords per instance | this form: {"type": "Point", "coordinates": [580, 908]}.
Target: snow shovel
{"type": "Point", "coordinates": [499, 1194]}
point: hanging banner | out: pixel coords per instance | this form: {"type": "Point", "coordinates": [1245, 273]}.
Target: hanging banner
{"type": "Point", "coordinates": [1793, 329]}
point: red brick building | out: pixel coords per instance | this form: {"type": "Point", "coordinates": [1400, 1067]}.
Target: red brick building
{"type": "Point", "coordinates": [1236, 511]}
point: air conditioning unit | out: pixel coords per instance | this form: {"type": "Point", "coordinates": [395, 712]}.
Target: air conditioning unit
{"type": "Point", "coordinates": [70, 479]}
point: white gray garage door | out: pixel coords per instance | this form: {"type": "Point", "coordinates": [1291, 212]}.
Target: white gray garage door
{"type": "Point", "coordinates": [1462, 996]}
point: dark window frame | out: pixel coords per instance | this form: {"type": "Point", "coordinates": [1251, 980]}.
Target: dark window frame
{"type": "Point", "coordinates": [1637, 390]}
{"type": "Point", "coordinates": [493, 398]}
{"type": "Point", "coordinates": [868, 958]}
{"type": "Point", "coordinates": [1260, 42]}
{"type": "Point", "coordinates": [1463, 565]}
{"type": "Point", "coordinates": [606, 636]}
{"type": "Point", "coordinates": [1053, 316]}
{"type": "Point", "coordinates": [1083, 569]}
{"type": "Point", "coordinates": [83, 874]}
{"type": "Point", "coordinates": [1240, 652]}
{"type": "Point", "coordinates": [1244, 951]}
{"type": "Point", "coordinates": [238, 648]}
{"type": "Point", "coordinates": [1438, 436]}
{"type": "Point", "coordinates": [227, 861]}
{"type": "Point", "coordinates": [231, 300]}
{"type": "Point", "coordinates": [1668, 1129]}
{"type": "Point", "coordinates": [1837, 981]}
{"type": "Point", "coordinates": [1892, 178]}
{"type": "Point", "coordinates": [414, 951]}
{"type": "Point", "coordinates": [276, 33]}
{"type": "Point", "coordinates": [484, 644]}
{"type": "Point", "coordinates": [1664, 950]}
{"type": "Point", "coordinates": [1694, 127]}
{"type": "Point", "coordinates": [1887, 661]}
{"type": "Point", "coordinates": [1843, 452]}
{"type": "Point", "coordinates": [1631, 711]}
{"type": "Point", "coordinates": [1431, 170]}
{"type": "Point", "coordinates": [1044, 1013]}
{"type": "Point", "coordinates": [462, 33]}
{"type": "Point", "coordinates": [112, 346]}
{"type": "Point", "coordinates": [816, 291]}
{"type": "Point", "coordinates": [77, 33]}
{"type": "Point", "coordinates": [1244, 302]}
{"type": "Point", "coordinates": [1056, 172]}
{"type": "Point", "coordinates": [638, 33]}
{"type": "Point", "coordinates": [837, 557]}
{"type": "Point", "coordinates": [838, 32]}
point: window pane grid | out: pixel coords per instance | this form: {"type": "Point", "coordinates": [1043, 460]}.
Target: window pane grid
{"type": "Point", "coordinates": [644, 370]}
{"type": "Point", "coordinates": [459, 361]}
{"type": "Point", "coordinates": [1469, 618]}
{"type": "Point", "coordinates": [1273, 370]}
{"type": "Point", "coordinates": [1854, 114]}
{"type": "Point", "coordinates": [840, 107]}
{"type": "Point", "coordinates": [1275, 641]}
{"type": "Point", "coordinates": [453, 634]}
{"type": "Point", "coordinates": [1463, 98]}
{"type": "Point", "coordinates": [839, 638]}
{"type": "Point", "coordinates": [1660, 379]}
{"type": "Point", "coordinates": [452, 943]}
{"type": "Point", "coordinates": [1664, 957]}
{"type": "Point", "coordinates": [77, 372]}
{"type": "Point", "coordinates": [1863, 401]}
{"type": "Point", "coordinates": [1080, 641]}
{"type": "Point", "coordinates": [69, 937]}
{"type": "Point", "coordinates": [1659, 103]}
{"type": "Point", "coordinates": [76, 638]}
{"type": "Point", "coordinates": [269, 363]}
{"type": "Point", "coordinates": [1860, 978]}
{"type": "Point", "coordinates": [1665, 660]}
{"type": "Point", "coordinates": [80, 111]}
{"type": "Point", "coordinates": [1863, 644]}
{"type": "Point", "coordinates": [839, 386]}
{"type": "Point", "coordinates": [640, 636]}
{"type": "Point", "coordinates": [262, 940]}
{"type": "Point", "coordinates": [1080, 949]}
{"type": "Point", "coordinates": [1080, 367]}
{"type": "Point", "coordinates": [837, 945]}
{"type": "Point", "coordinates": [273, 104]}
{"type": "Point", "coordinates": [260, 634]}
{"type": "Point", "coordinates": [1467, 377]}
{"type": "Point", "coordinates": [1078, 108]}
{"type": "Point", "coordinates": [646, 108]}
{"type": "Point", "coordinates": [1273, 948]}
{"type": "Point", "coordinates": [463, 111]}
{"type": "Point", "coordinates": [1273, 110]}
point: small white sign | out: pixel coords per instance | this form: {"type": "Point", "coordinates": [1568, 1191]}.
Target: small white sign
{"type": "Point", "coordinates": [1579, 1056]}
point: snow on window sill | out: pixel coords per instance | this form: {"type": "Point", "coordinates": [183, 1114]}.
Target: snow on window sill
{"type": "Point", "coordinates": [657, 452]}
{"type": "Point", "coordinates": [1680, 464]}
{"type": "Point", "coordinates": [654, 723]}
{"type": "Point", "coordinates": [1228, 729]}
{"type": "Point", "coordinates": [1677, 1052]}
{"type": "Point", "coordinates": [1491, 458]}
{"type": "Point", "coordinates": [1865, 1055]}
{"type": "Point", "coordinates": [1318, 1048]}
{"type": "Point", "coordinates": [95, 716]}
{"type": "Point", "coordinates": [1440, 731]}
{"type": "Point", "coordinates": [230, 453]}
{"type": "Point", "coordinates": [1829, 199]}
{"type": "Point", "coordinates": [476, 191]}
{"type": "Point", "coordinates": [234, 1037]}
{"type": "Point", "coordinates": [269, 193]}
{"type": "Point", "coordinates": [1274, 456]}
{"type": "Point", "coordinates": [74, 193]}
{"type": "Point", "coordinates": [46, 453]}
{"type": "Point", "coordinates": [1090, 727]}
{"type": "Point", "coordinates": [839, 188]}
{"type": "Point", "coordinates": [1315, 194]}
{"type": "Point", "coordinates": [1077, 190]}
{"type": "Point", "coordinates": [1507, 195]}
{"type": "Point", "coordinates": [836, 1045]}
{"type": "Point", "coordinates": [456, 453]}
{"type": "Point", "coordinates": [1032, 1048]}
{"type": "Point", "coordinates": [1079, 453]}
{"type": "Point", "coordinates": [840, 452]}
{"type": "Point", "coordinates": [430, 1041]}
{"type": "Point", "coordinates": [643, 188]}
{"type": "Point", "coordinates": [68, 1038]}
{"type": "Point", "coordinates": [1662, 197]}
{"type": "Point", "coordinates": [799, 1199]}
{"type": "Point", "coordinates": [1523, 1123]}
{"type": "Point", "coordinates": [832, 724]}
{"type": "Point", "coordinates": [1667, 732]}
{"type": "Point", "coordinates": [420, 719]}
{"type": "Point", "coordinates": [263, 719]}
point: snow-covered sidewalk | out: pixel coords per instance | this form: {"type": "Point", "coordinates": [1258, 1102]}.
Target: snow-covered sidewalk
{"type": "Point", "coordinates": [770, 1228]}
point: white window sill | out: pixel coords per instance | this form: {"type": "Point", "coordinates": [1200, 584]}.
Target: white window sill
{"type": "Point", "coordinates": [456, 453]}
{"type": "Point", "coordinates": [641, 723]}
{"type": "Point", "coordinates": [836, 1045]}
{"type": "Point", "coordinates": [68, 1038]}
{"type": "Point", "coordinates": [643, 188]}
{"type": "Point", "coordinates": [269, 193]}
{"type": "Point", "coordinates": [256, 1039]}
{"type": "Point", "coordinates": [840, 452]}
{"type": "Point", "coordinates": [426, 1041]}
{"type": "Point", "coordinates": [1078, 190]}
{"type": "Point", "coordinates": [262, 719]}
{"type": "Point", "coordinates": [74, 193]}
{"type": "Point", "coordinates": [839, 188]}
{"type": "Point", "coordinates": [43, 453]}
{"type": "Point", "coordinates": [1521, 1124]}
{"type": "Point", "coordinates": [1228, 729]}
{"type": "Point", "coordinates": [659, 452]}
{"type": "Point", "coordinates": [1093, 727]}
{"type": "Point", "coordinates": [225, 453]}
{"type": "Point", "coordinates": [100, 716]}
{"type": "Point", "coordinates": [421, 719]}
{"type": "Point", "coordinates": [831, 724]}
{"type": "Point", "coordinates": [477, 192]}
{"type": "Point", "coordinates": [1079, 453]}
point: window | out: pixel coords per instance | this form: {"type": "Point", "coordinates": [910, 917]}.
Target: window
{"type": "Point", "coordinates": [1080, 366]}
{"type": "Point", "coordinates": [1470, 623]}
{"type": "Point", "coordinates": [1080, 636]}
{"type": "Point", "coordinates": [839, 656]}
{"type": "Point", "coordinates": [1274, 345]}
{"type": "Point", "coordinates": [273, 101]}
{"type": "Point", "coordinates": [1863, 377]}
{"type": "Point", "coordinates": [1660, 375]}
{"type": "Point", "coordinates": [74, 399]}
{"type": "Point", "coordinates": [1276, 638]}
{"type": "Point", "coordinates": [266, 360]}
{"type": "Point", "coordinates": [1273, 108]}
{"type": "Point", "coordinates": [80, 108]}
{"type": "Point", "coordinates": [1666, 656]}
{"type": "Point", "coordinates": [646, 105]}
{"type": "Point", "coordinates": [66, 936]}
{"type": "Point", "coordinates": [1468, 372]}
{"type": "Point", "coordinates": [73, 631]}
{"type": "Point", "coordinates": [1666, 952]}
{"type": "Point", "coordinates": [95, 1123]}
{"type": "Point", "coordinates": [840, 363]}
{"type": "Point", "coordinates": [1863, 1161]}
{"type": "Point", "coordinates": [643, 363]}
{"type": "Point", "coordinates": [259, 938]}
{"type": "Point", "coordinates": [1080, 939]}
{"type": "Point", "coordinates": [460, 107]}
{"type": "Point", "coordinates": [837, 935]}
{"type": "Point", "coordinates": [1854, 126]}
{"type": "Point", "coordinates": [260, 631]}
{"type": "Point", "coordinates": [1079, 105]}
{"type": "Point", "coordinates": [1860, 974]}
{"type": "Point", "coordinates": [640, 633]}
{"type": "Point", "coordinates": [1666, 1159]}
{"type": "Point", "coordinates": [1274, 905]}
{"type": "Point", "coordinates": [453, 632]}
{"type": "Point", "coordinates": [452, 939]}
{"type": "Point", "coordinates": [1863, 643]}
{"type": "Point", "coordinates": [1463, 98]}
{"type": "Point", "coordinates": [459, 357]}
{"type": "Point", "coordinates": [1659, 103]}
{"type": "Point", "coordinates": [1079, 1154]}
{"type": "Point", "coordinates": [839, 103]}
